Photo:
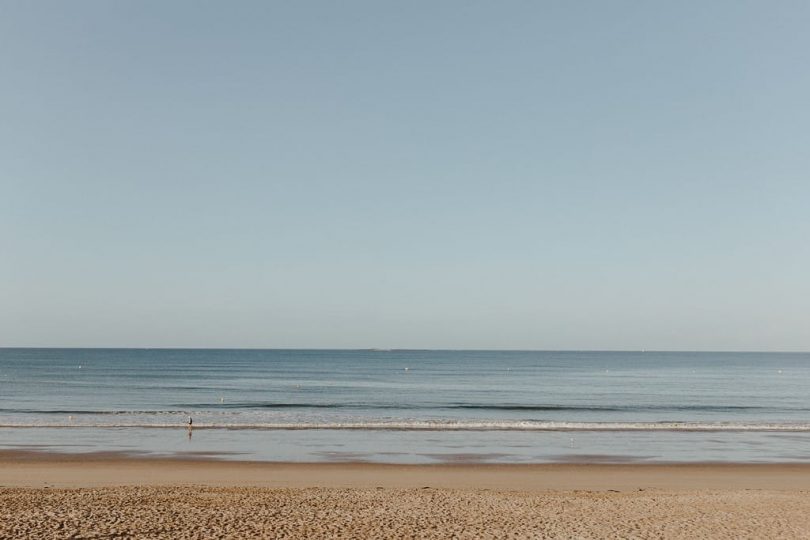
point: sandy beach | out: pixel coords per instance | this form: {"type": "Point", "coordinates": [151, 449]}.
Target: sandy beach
{"type": "Point", "coordinates": [107, 495]}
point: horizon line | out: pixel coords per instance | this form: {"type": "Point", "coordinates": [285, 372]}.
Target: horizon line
{"type": "Point", "coordinates": [408, 349]}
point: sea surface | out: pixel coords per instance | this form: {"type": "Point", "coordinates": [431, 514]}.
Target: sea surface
{"type": "Point", "coordinates": [409, 406]}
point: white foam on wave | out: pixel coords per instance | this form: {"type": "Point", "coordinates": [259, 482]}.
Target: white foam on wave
{"type": "Point", "coordinates": [443, 426]}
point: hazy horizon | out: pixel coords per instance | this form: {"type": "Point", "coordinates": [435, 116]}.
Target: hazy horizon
{"type": "Point", "coordinates": [549, 176]}
{"type": "Point", "coordinates": [398, 349]}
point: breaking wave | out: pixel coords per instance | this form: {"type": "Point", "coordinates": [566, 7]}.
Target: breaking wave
{"type": "Point", "coordinates": [513, 425]}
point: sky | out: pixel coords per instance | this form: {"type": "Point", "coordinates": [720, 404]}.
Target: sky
{"type": "Point", "coordinates": [457, 174]}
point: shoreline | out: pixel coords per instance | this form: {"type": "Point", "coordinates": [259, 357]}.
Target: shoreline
{"type": "Point", "coordinates": [529, 426]}
{"type": "Point", "coordinates": [35, 469]}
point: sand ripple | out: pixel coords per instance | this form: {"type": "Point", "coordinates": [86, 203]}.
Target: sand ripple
{"type": "Point", "coordinates": [204, 512]}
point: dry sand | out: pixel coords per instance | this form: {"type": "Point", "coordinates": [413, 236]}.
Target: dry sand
{"type": "Point", "coordinates": [206, 512]}
{"type": "Point", "coordinates": [113, 497]}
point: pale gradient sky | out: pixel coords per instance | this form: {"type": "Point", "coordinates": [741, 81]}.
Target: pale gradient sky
{"type": "Point", "coordinates": [538, 175]}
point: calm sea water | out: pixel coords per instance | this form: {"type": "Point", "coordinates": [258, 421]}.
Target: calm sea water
{"type": "Point", "coordinates": [409, 406]}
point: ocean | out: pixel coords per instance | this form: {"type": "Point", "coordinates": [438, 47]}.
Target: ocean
{"type": "Point", "coordinates": [409, 406]}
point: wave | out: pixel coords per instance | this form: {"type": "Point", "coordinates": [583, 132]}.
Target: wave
{"type": "Point", "coordinates": [611, 408]}
{"type": "Point", "coordinates": [445, 426]}
{"type": "Point", "coordinates": [182, 408]}
{"type": "Point", "coordinates": [286, 405]}
{"type": "Point", "coordinates": [79, 412]}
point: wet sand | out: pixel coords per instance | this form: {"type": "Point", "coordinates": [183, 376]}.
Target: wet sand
{"type": "Point", "coordinates": [107, 495]}
{"type": "Point", "coordinates": [42, 469]}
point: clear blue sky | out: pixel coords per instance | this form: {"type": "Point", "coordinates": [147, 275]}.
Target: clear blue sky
{"type": "Point", "coordinates": [544, 175]}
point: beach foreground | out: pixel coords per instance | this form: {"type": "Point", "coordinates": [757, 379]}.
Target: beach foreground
{"type": "Point", "coordinates": [53, 496]}
{"type": "Point", "coordinates": [206, 512]}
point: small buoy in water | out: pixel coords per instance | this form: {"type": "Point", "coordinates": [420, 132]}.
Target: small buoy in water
{"type": "Point", "coordinates": [406, 369]}
{"type": "Point", "coordinates": [80, 367]}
